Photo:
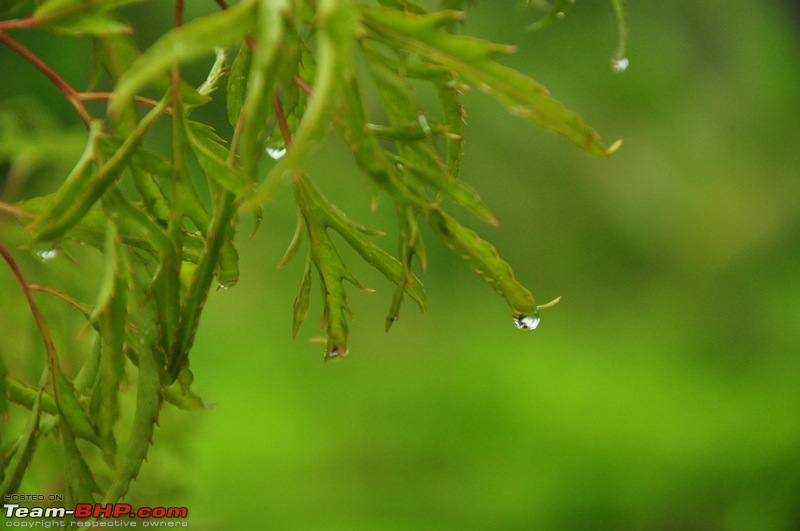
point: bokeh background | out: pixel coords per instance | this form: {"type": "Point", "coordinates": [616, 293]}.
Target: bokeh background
{"type": "Point", "coordinates": [662, 393]}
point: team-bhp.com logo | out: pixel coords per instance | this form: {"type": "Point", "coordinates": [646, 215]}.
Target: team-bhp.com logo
{"type": "Point", "coordinates": [18, 516]}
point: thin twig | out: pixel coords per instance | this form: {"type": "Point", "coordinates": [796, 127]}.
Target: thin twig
{"type": "Point", "coordinates": [276, 101]}
{"type": "Point", "coordinates": [63, 296]}
{"type": "Point", "coordinates": [287, 135]}
{"type": "Point", "coordinates": [88, 96]}
{"type": "Point", "coordinates": [15, 211]}
{"type": "Point", "coordinates": [178, 22]}
{"type": "Point", "coordinates": [52, 357]}
{"type": "Point", "coordinates": [301, 83]}
{"type": "Point", "coordinates": [19, 23]}
{"type": "Point", "coordinates": [70, 93]}
{"type": "Point", "coordinates": [175, 78]}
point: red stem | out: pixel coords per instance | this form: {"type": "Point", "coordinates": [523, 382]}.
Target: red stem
{"type": "Point", "coordinates": [70, 93]}
{"type": "Point", "coordinates": [178, 13]}
{"type": "Point", "coordinates": [54, 292]}
{"type": "Point", "coordinates": [287, 135]}
{"type": "Point", "coordinates": [52, 357]}
{"type": "Point", "coordinates": [19, 23]}
{"type": "Point", "coordinates": [107, 96]}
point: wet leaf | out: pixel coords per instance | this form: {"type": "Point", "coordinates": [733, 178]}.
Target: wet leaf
{"type": "Point", "coordinates": [71, 410]}
{"type": "Point", "coordinates": [148, 402]}
{"type": "Point", "coordinates": [81, 16]}
{"type": "Point", "coordinates": [26, 395]}
{"type": "Point", "coordinates": [295, 243]}
{"type": "Point", "coordinates": [25, 446]}
{"type": "Point", "coordinates": [484, 260]}
{"type": "Point", "coordinates": [72, 206]}
{"type": "Point", "coordinates": [473, 60]}
{"type": "Point", "coordinates": [212, 157]}
{"type": "Point", "coordinates": [319, 215]}
{"type": "Point", "coordinates": [111, 316]}
{"type": "Point", "coordinates": [268, 32]}
{"type": "Point", "coordinates": [555, 13]}
{"type": "Point", "coordinates": [336, 28]}
{"type": "Point", "coordinates": [191, 41]}
{"type": "Point", "coordinates": [80, 481]}
{"type": "Point", "coordinates": [300, 307]}
{"type": "Point", "coordinates": [237, 84]}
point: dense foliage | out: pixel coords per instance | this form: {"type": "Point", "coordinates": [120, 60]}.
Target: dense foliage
{"type": "Point", "coordinates": [289, 72]}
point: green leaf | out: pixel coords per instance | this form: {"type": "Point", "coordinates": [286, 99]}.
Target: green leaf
{"type": "Point", "coordinates": [71, 410]}
{"type": "Point", "coordinates": [218, 237]}
{"type": "Point", "coordinates": [72, 206]}
{"type": "Point", "coordinates": [93, 23]}
{"type": "Point", "coordinates": [472, 59]}
{"type": "Point", "coordinates": [117, 53]}
{"type": "Point", "coordinates": [80, 482]}
{"type": "Point", "coordinates": [133, 221]}
{"type": "Point", "coordinates": [185, 400]}
{"type": "Point", "coordinates": [336, 28]}
{"type": "Point", "coordinates": [148, 402]}
{"type": "Point", "coordinates": [214, 75]}
{"type": "Point", "coordinates": [82, 16]}
{"type": "Point", "coordinates": [8, 7]}
{"type": "Point", "coordinates": [3, 401]}
{"type": "Point", "coordinates": [213, 157]}
{"type": "Point", "coordinates": [237, 84]}
{"type": "Point", "coordinates": [111, 315]}
{"type": "Point", "coordinates": [191, 41]}
{"type": "Point", "coordinates": [90, 230]}
{"type": "Point", "coordinates": [434, 174]}
{"type": "Point", "coordinates": [482, 257]}
{"type": "Point", "coordinates": [300, 306]}
{"type": "Point", "coordinates": [319, 215]}
{"type": "Point", "coordinates": [25, 447]}
{"type": "Point", "coordinates": [26, 395]}
{"type": "Point", "coordinates": [62, 8]}
{"type": "Point", "coordinates": [268, 32]}
{"type": "Point", "coordinates": [228, 268]}
{"type": "Point", "coordinates": [403, 5]}
{"type": "Point", "coordinates": [86, 378]}
{"type": "Point", "coordinates": [331, 217]}
{"type": "Point", "coordinates": [79, 177]}
{"type": "Point", "coordinates": [295, 243]}
{"type": "Point", "coordinates": [556, 13]}
{"type": "Point", "coordinates": [180, 394]}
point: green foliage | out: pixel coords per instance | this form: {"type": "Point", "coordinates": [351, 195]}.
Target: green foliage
{"type": "Point", "coordinates": [302, 69]}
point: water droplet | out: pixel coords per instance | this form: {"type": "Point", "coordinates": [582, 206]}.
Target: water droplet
{"type": "Point", "coordinates": [334, 353]}
{"type": "Point", "coordinates": [619, 64]}
{"type": "Point", "coordinates": [527, 322]}
{"type": "Point", "coordinates": [46, 252]}
{"type": "Point", "coordinates": [560, 15]}
{"type": "Point", "coordinates": [276, 151]}
{"type": "Point", "coordinates": [521, 110]}
{"type": "Point", "coordinates": [423, 122]}
{"type": "Point", "coordinates": [226, 285]}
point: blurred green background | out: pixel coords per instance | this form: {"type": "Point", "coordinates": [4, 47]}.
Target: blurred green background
{"type": "Point", "coordinates": [662, 393]}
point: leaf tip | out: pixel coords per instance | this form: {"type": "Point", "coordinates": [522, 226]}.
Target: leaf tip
{"type": "Point", "coordinates": [549, 304]}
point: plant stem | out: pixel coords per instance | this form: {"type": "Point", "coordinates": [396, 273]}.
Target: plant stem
{"type": "Point", "coordinates": [52, 357]}
{"type": "Point", "coordinates": [287, 135]}
{"type": "Point", "coordinates": [70, 93]}
{"type": "Point", "coordinates": [84, 96]}
{"type": "Point", "coordinates": [19, 23]}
